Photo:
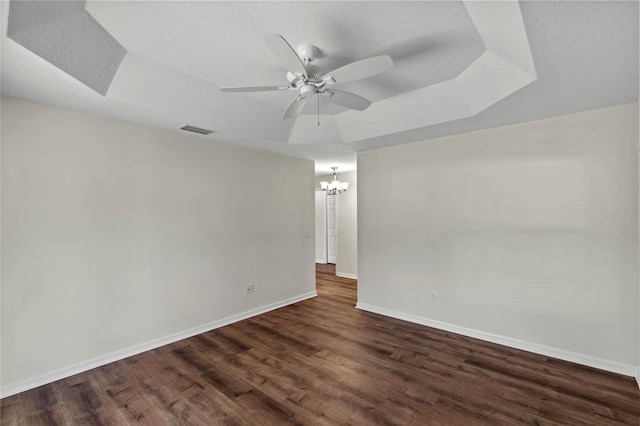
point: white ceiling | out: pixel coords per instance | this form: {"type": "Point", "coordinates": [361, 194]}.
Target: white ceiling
{"type": "Point", "coordinates": [459, 66]}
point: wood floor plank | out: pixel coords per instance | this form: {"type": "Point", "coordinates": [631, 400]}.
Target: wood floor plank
{"type": "Point", "coordinates": [323, 362]}
{"type": "Point", "coordinates": [44, 409]}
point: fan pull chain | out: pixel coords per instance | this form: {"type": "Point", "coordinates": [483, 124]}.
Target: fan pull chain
{"type": "Point", "coordinates": [318, 109]}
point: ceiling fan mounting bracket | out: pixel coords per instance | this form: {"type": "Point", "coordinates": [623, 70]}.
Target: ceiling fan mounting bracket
{"type": "Point", "coordinates": [307, 52]}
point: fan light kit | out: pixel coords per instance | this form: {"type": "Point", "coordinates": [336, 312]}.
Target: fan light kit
{"type": "Point", "coordinates": [308, 85]}
{"type": "Point", "coordinates": [335, 186]}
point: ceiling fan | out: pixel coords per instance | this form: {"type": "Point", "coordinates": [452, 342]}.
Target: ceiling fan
{"type": "Point", "coordinates": [308, 85]}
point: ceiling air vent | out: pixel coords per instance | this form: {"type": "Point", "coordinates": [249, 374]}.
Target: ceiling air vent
{"type": "Point", "coordinates": [196, 130]}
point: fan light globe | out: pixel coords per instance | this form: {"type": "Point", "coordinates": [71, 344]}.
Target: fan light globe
{"type": "Point", "coordinates": [308, 90]}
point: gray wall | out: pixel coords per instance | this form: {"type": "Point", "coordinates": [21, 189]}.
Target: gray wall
{"type": "Point", "coordinates": [114, 234]}
{"type": "Point", "coordinates": [347, 262]}
{"type": "Point", "coordinates": [528, 232]}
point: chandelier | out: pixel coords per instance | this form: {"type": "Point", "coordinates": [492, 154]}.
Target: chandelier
{"type": "Point", "coordinates": [335, 186]}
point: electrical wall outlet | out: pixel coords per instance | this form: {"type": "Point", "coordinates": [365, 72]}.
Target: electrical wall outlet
{"type": "Point", "coordinates": [249, 289]}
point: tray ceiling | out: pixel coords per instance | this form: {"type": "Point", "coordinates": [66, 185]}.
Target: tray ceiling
{"type": "Point", "coordinates": [457, 64]}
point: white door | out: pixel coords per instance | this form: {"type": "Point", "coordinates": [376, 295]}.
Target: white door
{"type": "Point", "coordinates": [321, 227]}
{"type": "Point", "coordinates": [332, 234]}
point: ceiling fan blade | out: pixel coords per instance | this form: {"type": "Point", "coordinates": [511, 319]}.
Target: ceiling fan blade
{"type": "Point", "coordinates": [347, 100]}
{"type": "Point", "coordinates": [285, 54]}
{"type": "Point", "coordinates": [294, 108]}
{"type": "Point", "coordinates": [361, 69]}
{"type": "Point", "coordinates": [254, 88]}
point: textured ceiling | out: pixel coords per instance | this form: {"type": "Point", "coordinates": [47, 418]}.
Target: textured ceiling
{"type": "Point", "coordinates": [459, 66]}
{"type": "Point", "coordinates": [223, 42]}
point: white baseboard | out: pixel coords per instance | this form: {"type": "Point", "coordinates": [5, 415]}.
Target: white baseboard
{"type": "Point", "coordinates": [345, 275]}
{"type": "Point", "coordinates": [638, 377]}
{"type": "Point", "coordinates": [602, 364]}
{"type": "Point", "coordinates": [61, 373]}
{"type": "Point", "coordinates": [321, 261]}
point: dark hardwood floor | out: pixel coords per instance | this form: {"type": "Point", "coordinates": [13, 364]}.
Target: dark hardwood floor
{"type": "Point", "coordinates": [322, 362]}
